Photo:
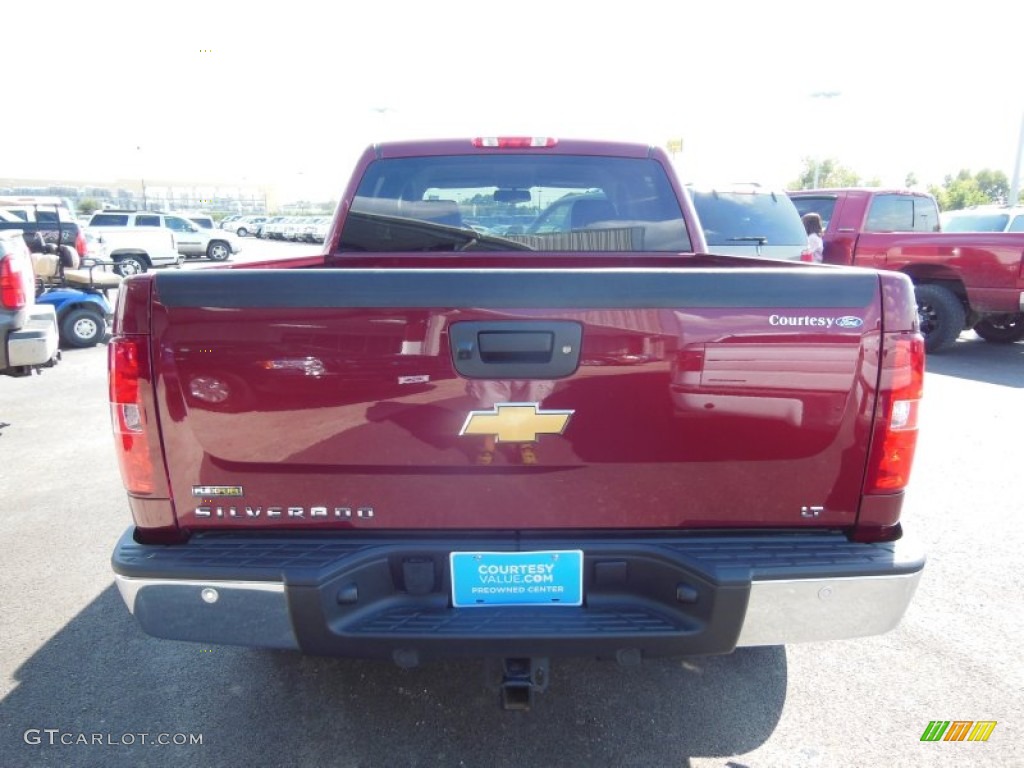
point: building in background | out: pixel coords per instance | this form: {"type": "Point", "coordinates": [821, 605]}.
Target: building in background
{"type": "Point", "coordinates": [215, 198]}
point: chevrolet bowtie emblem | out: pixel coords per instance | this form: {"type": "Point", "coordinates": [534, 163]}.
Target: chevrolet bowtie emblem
{"type": "Point", "coordinates": [516, 422]}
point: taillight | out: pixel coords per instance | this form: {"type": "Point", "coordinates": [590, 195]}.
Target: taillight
{"type": "Point", "coordinates": [690, 359]}
{"type": "Point", "coordinates": [515, 142]}
{"type": "Point", "coordinates": [130, 385]}
{"type": "Point", "coordinates": [81, 245]}
{"type": "Point", "coordinates": [14, 282]}
{"type": "Point", "coordinates": [900, 389]}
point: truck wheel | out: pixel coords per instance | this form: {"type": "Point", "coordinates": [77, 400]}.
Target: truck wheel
{"type": "Point", "coordinates": [942, 316]}
{"type": "Point", "coordinates": [218, 250]}
{"type": "Point", "coordinates": [1001, 329]}
{"type": "Point", "coordinates": [82, 328]}
{"type": "Point", "coordinates": [126, 266]}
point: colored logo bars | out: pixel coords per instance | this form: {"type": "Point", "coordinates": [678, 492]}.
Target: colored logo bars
{"type": "Point", "coordinates": [958, 730]}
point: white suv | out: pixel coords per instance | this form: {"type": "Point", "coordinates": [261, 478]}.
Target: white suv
{"type": "Point", "coordinates": [984, 218]}
{"type": "Point", "coordinates": [193, 240]}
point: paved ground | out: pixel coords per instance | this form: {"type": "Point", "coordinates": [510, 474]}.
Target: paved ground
{"type": "Point", "coordinates": [75, 661]}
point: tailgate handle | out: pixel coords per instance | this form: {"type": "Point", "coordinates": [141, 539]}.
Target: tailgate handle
{"type": "Point", "coordinates": [526, 349]}
{"type": "Point", "coordinates": [515, 346]}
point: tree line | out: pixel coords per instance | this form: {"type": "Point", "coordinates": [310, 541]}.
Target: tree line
{"type": "Point", "coordinates": [960, 191]}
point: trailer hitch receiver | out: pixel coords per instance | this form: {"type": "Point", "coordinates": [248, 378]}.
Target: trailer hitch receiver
{"type": "Point", "coordinates": [521, 678]}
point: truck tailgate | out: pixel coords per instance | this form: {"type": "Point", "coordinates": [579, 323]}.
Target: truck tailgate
{"type": "Point", "coordinates": [647, 399]}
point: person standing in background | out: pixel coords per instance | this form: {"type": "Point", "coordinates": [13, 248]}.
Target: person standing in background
{"type": "Point", "coordinates": [812, 225]}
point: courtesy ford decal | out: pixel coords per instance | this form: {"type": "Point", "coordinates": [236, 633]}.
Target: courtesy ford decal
{"type": "Point", "coordinates": [816, 321]}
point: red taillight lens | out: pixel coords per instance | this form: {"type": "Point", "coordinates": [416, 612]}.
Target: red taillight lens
{"type": "Point", "coordinates": [81, 245]}
{"type": "Point", "coordinates": [901, 386]}
{"type": "Point", "coordinates": [129, 375]}
{"type": "Point", "coordinates": [127, 362]}
{"type": "Point", "coordinates": [515, 142]}
{"type": "Point", "coordinates": [14, 282]}
{"type": "Point", "coordinates": [690, 359]}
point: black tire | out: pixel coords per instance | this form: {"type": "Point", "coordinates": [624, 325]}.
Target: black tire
{"type": "Point", "coordinates": [218, 250]}
{"type": "Point", "coordinates": [82, 327]}
{"type": "Point", "coordinates": [1001, 329]}
{"type": "Point", "coordinates": [242, 232]}
{"type": "Point", "coordinates": [129, 264]}
{"type": "Point", "coordinates": [942, 316]}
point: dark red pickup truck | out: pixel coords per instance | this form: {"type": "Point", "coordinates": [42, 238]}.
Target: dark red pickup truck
{"type": "Point", "coordinates": [451, 436]}
{"type": "Point", "coordinates": [962, 280]}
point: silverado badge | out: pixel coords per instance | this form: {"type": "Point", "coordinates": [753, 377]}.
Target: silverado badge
{"type": "Point", "coordinates": [516, 422]}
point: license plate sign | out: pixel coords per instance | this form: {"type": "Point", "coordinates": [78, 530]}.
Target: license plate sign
{"type": "Point", "coordinates": [517, 578]}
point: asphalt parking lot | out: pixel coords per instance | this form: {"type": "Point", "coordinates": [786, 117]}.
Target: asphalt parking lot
{"type": "Point", "coordinates": [76, 665]}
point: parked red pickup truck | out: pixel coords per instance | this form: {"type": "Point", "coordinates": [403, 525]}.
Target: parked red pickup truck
{"type": "Point", "coordinates": [435, 440]}
{"type": "Point", "coordinates": [962, 280]}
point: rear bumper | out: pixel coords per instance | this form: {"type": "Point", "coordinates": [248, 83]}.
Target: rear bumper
{"type": "Point", "coordinates": [390, 597]}
{"type": "Point", "coordinates": [32, 340]}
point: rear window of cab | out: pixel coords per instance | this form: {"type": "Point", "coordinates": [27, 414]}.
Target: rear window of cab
{"type": "Point", "coordinates": [515, 202]}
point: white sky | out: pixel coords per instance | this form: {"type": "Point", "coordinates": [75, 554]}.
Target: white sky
{"type": "Point", "coordinates": [290, 93]}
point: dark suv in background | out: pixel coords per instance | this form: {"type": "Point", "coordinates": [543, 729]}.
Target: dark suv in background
{"type": "Point", "coordinates": [750, 220]}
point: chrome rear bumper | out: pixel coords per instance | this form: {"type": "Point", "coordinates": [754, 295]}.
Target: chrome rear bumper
{"type": "Point", "coordinates": [652, 596]}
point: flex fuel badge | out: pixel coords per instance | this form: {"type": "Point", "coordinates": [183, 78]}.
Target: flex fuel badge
{"type": "Point", "coordinates": [217, 490]}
